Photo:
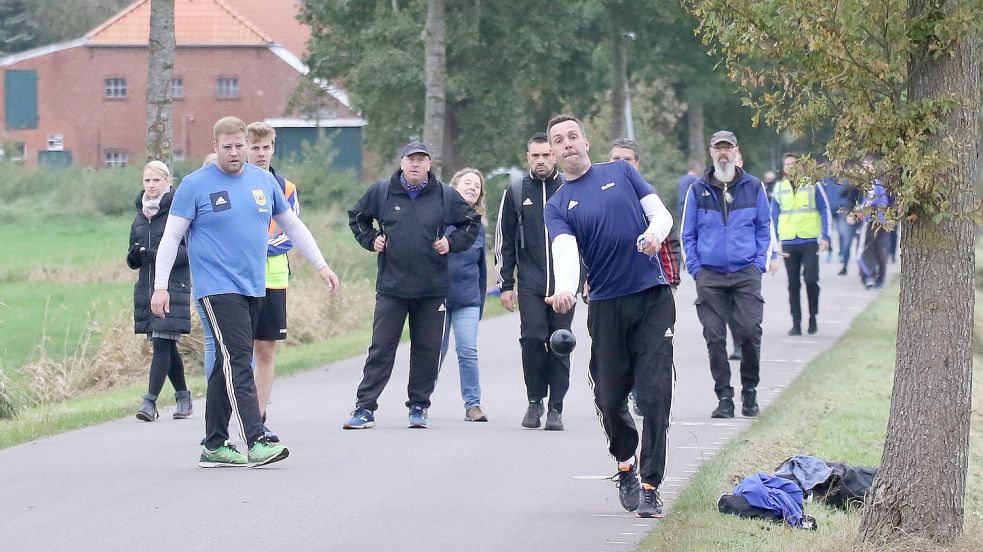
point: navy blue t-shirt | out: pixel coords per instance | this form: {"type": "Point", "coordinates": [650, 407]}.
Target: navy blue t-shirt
{"type": "Point", "coordinates": [601, 209]}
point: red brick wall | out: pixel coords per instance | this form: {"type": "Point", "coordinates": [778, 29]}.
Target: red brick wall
{"type": "Point", "coordinates": [71, 99]}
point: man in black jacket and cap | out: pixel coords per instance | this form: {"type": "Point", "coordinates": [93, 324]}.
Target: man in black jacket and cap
{"type": "Point", "coordinates": [403, 221]}
{"type": "Point", "coordinates": [521, 244]}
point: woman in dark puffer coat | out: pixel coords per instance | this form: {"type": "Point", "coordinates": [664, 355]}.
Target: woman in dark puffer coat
{"type": "Point", "coordinates": [153, 205]}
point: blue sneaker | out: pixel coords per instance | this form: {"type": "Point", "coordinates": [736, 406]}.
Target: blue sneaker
{"type": "Point", "coordinates": [362, 418]}
{"type": "Point", "coordinates": [418, 417]}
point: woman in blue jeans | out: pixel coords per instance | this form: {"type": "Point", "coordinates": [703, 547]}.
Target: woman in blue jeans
{"type": "Point", "coordinates": [466, 297]}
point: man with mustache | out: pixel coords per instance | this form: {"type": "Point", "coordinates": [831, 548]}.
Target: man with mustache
{"type": "Point", "coordinates": [726, 234]}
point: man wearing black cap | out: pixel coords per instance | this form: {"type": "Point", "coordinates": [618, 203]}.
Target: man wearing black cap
{"type": "Point", "coordinates": [403, 220]}
{"type": "Point", "coordinates": [726, 234]}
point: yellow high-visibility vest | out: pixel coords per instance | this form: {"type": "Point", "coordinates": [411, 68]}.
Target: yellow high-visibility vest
{"type": "Point", "coordinates": [798, 215]}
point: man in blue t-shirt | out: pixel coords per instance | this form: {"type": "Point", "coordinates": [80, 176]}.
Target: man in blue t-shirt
{"type": "Point", "coordinates": [225, 208]}
{"type": "Point", "coordinates": [613, 218]}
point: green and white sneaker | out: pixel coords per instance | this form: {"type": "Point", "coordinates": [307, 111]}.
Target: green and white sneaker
{"type": "Point", "coordinates": [225, 456]}
{"type": "Point", "coordinates": [265, 452]}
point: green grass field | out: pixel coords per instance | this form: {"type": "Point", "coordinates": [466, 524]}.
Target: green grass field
{"type": "Point", "coordinates": [837, 409]}
{"type": "Point", "coordinates": [64, 284]}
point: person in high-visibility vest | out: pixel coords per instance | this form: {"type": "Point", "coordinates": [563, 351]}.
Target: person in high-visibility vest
{"type": "Point", "coordinates": [272, 327]}
{"type": "Point", "coordinates": [801, 213]}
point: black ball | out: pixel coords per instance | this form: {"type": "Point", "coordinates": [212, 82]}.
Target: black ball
{"type": "Point", "coordinates": [562, 342]}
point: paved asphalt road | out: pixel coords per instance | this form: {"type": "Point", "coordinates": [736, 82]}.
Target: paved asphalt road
{"type": "Point", "coordinates": [128, 485]}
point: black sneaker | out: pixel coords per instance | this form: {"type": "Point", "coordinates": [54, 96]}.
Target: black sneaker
{"type": "Point", "coordinates": [554, 420]}
{"type": "Point", "coordinates": [725, 409]}
{"type": "Point", "coordinates": [813, 328]}
{"type": "Point", "coordinates": [533, 415]}
{"type": "Point", "coordinates": [796, 330]}
{"type": "Point", "coordinates": [749, 402]}
{"type": "Point", "coordinates": [629, 490]}
{"type": "Point", "coordinates": [651, 504]}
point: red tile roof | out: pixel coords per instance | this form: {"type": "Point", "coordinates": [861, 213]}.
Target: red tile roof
{"type": "Point", "coordinates": [211, 23]}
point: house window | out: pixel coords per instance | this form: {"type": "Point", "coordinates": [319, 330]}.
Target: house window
{"type": "Point", "coordinates": [56, 142]}
{"type": "Point", "coordinates": [115, 88]}
{"type": "Point", "coordinates": [12, 151]}
{"type": "Point", "coordinates": [228, 87]}
{"type": "Point", "coordinates": [116, 158]}
{"type": "Point", "coordinates": [177, 88]}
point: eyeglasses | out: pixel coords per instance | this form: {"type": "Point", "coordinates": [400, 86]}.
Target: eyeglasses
{"type": "Point", "coordinates": [723, 146]}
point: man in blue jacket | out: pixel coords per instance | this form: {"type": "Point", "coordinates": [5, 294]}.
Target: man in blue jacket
{"type": "Point", "coordinates": [726, 234]}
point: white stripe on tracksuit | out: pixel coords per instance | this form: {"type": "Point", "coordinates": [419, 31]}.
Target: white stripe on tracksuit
{"type": "Point", "coordinates": [221, 349]}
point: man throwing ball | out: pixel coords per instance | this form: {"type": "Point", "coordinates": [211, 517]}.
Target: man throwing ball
{"type": "Point", "coordinates": [612, 218]}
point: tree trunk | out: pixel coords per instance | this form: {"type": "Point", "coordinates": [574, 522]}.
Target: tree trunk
{"type": "Point", "coordinates": [435, 71]}
{"type": "Point", "coordinates": [160, 72]}
{"type": "Point", "coordinates": [920, 488]}
{"type": "Point", "coordinates": [696, 148]}
{"type": "Point", "coordinates": [450, 162]}
{"type": "Point", "coordinates": [619, 84]}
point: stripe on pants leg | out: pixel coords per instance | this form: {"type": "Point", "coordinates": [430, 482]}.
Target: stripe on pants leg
{"type": "Point", "coordinates": [221, 349]}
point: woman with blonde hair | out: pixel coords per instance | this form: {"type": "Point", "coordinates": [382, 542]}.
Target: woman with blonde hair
{"type": "Point", "coordinates": [153, 204]}
{"type": "Point", "coordinates": [468, 277]}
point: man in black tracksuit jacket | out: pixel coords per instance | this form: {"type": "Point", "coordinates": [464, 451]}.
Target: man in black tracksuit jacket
{"type": "Point", "coordinates": [412, 276]}
{"type": "Point", "coordinates": [526, 246]}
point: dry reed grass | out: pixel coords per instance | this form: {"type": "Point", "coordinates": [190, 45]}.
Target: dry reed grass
{"type": "Point", "coordinates": [67, 274]}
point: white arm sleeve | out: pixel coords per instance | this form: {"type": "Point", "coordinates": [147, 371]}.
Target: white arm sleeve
{"type": "Point", "coordinates": [566, 264]}
{"type": "Point", "coordinates": [660, 221]}
{"type": "Point", "coordinates": [297, 231]}
{"type": "Point", "coordinates": [174, 231]}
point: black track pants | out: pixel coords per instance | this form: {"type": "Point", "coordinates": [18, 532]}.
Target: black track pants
{"type": "Point", "coordinates": [632, 348]}
{"type": "Point", "coordinates": [426, 334]}
{"type": "Point", "coordinates": [546, 374]}
{"type": "Point", "coordinates": [231, 387]}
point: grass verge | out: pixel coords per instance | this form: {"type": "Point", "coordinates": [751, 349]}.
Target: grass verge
{"type": "Point", "coordinates": [837, 409]}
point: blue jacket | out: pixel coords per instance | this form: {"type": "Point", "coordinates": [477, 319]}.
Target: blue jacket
{"type": "Point", "coordinates": [780, 496]}
{"type": "Point", "coordinates": [682, 187]}
{"type": "Point", "coordinates": [468, 274]}
{"type": "Point", "coordinates": [877, 199]}
{"type": "Point", "coordinates": [726, 237]}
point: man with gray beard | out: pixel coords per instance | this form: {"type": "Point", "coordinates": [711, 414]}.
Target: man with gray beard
{"type": "Point", "coordinates": [726, 235]}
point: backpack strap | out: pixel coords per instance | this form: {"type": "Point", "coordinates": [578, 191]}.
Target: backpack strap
{"type": "Point", "coordinates": [520, 235]}
{"type": "Point", "coordinates": [382, 195]}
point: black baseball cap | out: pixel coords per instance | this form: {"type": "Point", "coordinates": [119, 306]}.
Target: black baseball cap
{"type": "Point", "coordinates": [414, 147]}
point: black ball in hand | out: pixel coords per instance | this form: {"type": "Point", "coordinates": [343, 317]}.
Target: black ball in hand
{"type": "Point", "coordinates": [562, 342]}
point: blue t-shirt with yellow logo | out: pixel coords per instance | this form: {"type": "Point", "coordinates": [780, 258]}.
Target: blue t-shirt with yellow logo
{"type": "Point", "coordinates": [230, 219]}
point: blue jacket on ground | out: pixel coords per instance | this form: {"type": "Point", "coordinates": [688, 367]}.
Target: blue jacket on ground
{"type": "Point", "coordinates": [468, 274]}
{"type": "Point", "coordinates": [780, 496]}
{"type": "Point", "coordinates": [726, 236]}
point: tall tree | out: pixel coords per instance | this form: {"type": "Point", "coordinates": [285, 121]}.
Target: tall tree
{"type": "Point", "coordinates": [899, 79]}
{"type": "Point", "coordinates": [160, 71]}
{"type": "Point", "coordinates": [18, 30]}
{"type": "Point", "coordinates": [503, 71]}
{"type": "Point", "coordinates": [435, 70]}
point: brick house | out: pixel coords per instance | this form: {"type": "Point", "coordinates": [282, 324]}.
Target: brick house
{"type": "Point", "coordinates": [83, 101]}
